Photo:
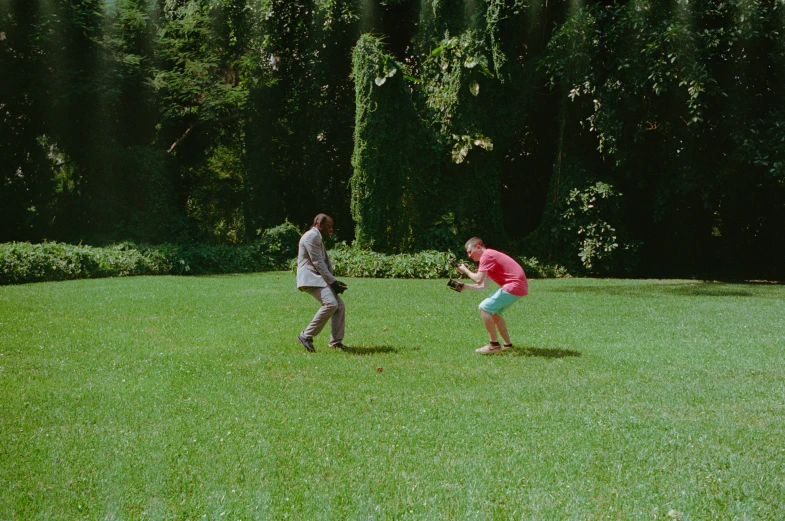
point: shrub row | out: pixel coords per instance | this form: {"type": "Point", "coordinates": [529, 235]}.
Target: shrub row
{"type": "Point", "coordinates": [24, 262]}
{"type": "Point", "coordinates": [353, 262]}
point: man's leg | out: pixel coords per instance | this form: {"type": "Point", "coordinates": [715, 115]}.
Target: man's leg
{"type": "Point", "coordinates": [330, 305]}
{"type": "Point", "coordinates": [490, 324]}
{"type": "Point", "coordinates": [338, 321]}
{"type": "Point", "coordinates": [501, 325]}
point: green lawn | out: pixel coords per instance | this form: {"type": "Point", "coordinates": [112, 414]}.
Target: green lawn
{"type": "Point", "coordinates": [190, 398]}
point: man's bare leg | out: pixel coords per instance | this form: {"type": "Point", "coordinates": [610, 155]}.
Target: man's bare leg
{"type": "Point", "coordinates": [501, 325]}
{"type": "Point", "coordinates": [490, 325]}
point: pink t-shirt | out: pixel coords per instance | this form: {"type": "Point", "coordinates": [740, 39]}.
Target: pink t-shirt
{"type": "Point", "coordinates": [504, 271]}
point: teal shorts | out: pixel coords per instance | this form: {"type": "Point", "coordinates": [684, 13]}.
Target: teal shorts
{"type": "Point", "coordinates": [498, 302]}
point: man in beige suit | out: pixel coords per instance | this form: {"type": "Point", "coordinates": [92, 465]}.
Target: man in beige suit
{"type": "Point", "coordinates": [315, 277]}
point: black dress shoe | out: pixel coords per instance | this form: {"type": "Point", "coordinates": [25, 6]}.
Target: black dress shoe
{"type": "Point", "coordinates": [306, 342]}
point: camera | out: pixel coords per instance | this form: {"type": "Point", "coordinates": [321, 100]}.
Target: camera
{"type": "Point", "coordinates": [455, 285]}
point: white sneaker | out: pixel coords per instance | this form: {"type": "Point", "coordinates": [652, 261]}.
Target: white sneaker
{"type": "Point", "coordinates": [489, 349]}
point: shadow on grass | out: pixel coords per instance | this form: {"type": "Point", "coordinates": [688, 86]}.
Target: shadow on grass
{"type": "Point", "coordinates": [542, 352]}
{"type": "Point", "coordinates": [368, 350]}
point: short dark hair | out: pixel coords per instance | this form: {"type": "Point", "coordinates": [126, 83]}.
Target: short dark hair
{"type": "Point", "coordinates": [471, 243]}
{"type": "Point", "coordinates": [319, 219]}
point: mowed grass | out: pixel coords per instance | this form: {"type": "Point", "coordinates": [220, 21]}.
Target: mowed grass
{"type": "Point", "coordinates": [189, 398]}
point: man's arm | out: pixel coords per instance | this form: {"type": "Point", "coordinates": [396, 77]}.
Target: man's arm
{"type": "Point", "coordinates": [480, 278]}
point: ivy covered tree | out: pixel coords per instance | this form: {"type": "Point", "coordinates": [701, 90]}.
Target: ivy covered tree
{"type": "Point", "coordinates": [389, 164]}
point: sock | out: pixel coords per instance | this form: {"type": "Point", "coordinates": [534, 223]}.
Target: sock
{"type": "Point", "coordinates": [494, 343]}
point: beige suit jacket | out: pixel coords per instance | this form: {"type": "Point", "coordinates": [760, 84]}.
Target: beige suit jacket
{"type": "Point", "coordinates": [313, 265]}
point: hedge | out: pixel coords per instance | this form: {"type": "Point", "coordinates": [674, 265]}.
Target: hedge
{"type": "Point", "coordinates": [353, 262]}
{"type": "Point", "coordinates": [24, 262]}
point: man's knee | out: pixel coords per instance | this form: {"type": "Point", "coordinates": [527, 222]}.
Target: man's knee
{"type": "Point", "coordinates": [335, 307]}
{"type": "Point", "coordinates": [332, 304]}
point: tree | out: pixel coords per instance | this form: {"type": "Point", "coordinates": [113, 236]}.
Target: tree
{"type": "Point", "coordinates": [386, 184]}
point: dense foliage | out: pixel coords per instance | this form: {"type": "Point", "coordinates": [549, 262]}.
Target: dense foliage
{"type": "Point", "coordinates": [385, 186]}
{"type": "Point", "coordinates": [415, 124]}
{"type": "Point", "coordinates": [428, 264]}
{"type": "Point", "coordinates": [52, 261]}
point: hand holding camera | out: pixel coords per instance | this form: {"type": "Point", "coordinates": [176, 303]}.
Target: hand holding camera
{"type": "Point", "coordinates": [455, 285]}
{"type": "Point", "coordinates": [455, 264]}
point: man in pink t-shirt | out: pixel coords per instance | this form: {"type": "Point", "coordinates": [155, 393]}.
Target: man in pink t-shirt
{"type": "Point", "coordinates": [508, 274]}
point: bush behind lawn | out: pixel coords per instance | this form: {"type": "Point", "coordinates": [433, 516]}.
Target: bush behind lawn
{"type": "Point", "coordinates": [24, 262]}
{"type": "Point", "coordinates": [353, 262]}
{"type": "Point", "coordinates": [52, 261]}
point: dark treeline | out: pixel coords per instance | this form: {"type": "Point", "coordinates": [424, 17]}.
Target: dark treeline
{"type": "Point", "coordinates": [629, 138]}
